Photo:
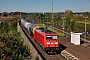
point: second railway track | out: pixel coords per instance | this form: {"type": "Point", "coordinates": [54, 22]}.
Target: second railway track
{"type": "Point", "coordinates": [85, 40]}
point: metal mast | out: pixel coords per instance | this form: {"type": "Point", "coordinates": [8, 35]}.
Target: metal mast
{"type": "Point", "coordinates": [52, 15]}
{"type": "Point", "coordinates": [85, 26]}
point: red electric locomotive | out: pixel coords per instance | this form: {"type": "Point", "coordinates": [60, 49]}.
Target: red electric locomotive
{"type": "Point", "coordinates": [47, 39]}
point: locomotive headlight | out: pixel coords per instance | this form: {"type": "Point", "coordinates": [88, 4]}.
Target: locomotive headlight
{"type": "Point", "coordinates": [56, 42]}
{"type": "Point", "coordinates": [48, 43]}
{"type": "Point", "coordinates": [52, 43]}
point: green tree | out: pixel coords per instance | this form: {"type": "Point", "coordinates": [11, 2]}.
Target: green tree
{"type": "Point", "coordinates": [72, 25]}
{"type": "Point", "coordinates": [68, 13]}
{"type": "Point", "coordinates": [68, 23]}
{"type": "Point", "coordinates": [5, 13]}
{"type": "Point", "coordinates": [11, 45]}
{"type": "Point", "coordinates": [59, 20]}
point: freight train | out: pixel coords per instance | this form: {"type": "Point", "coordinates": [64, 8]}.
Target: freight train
{"type": "Point", "coordinates": [47, 39]}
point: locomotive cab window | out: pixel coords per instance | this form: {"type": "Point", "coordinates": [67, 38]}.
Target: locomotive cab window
{"type": "Point", "coordinates": [51, 37]}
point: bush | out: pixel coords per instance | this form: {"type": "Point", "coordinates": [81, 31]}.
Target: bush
{"type": "Point", "coordinates": [11, 45]}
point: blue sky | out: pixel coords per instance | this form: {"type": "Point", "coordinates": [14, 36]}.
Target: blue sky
{"type": "Point", "coordinates": [44, 5]}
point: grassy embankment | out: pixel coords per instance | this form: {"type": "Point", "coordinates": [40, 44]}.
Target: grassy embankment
{"type": "Point", "coordinates": [51, 29]}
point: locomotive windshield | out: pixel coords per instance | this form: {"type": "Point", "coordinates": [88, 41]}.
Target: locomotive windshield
{"type": "Point", "coordinates": [51, 37]}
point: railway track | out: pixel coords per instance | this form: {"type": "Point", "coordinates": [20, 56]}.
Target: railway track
{"type": "Point", "coordinates": [37, 47]}
{"type": "Point", "coordinates": [42, 53]}
{"type": "Point", "coordinates": [57, 57]}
